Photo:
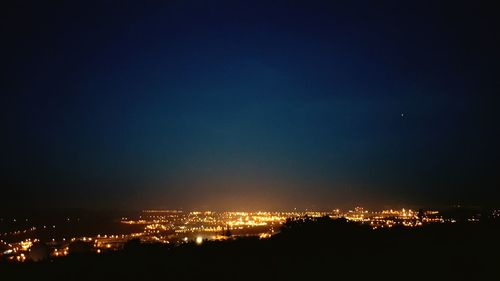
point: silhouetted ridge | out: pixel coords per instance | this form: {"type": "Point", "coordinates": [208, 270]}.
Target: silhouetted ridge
{"type": "Point", "coordinates": [304, 249]}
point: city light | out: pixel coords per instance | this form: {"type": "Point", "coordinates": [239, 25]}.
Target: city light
{"type": "Point", "coordinates": [176, 227]}
{"type": "Point", "coordinates": [199, 240]}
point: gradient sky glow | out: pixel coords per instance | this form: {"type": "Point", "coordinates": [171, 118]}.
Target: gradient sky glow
{"type": "Point", "coordinates": [249, 105]}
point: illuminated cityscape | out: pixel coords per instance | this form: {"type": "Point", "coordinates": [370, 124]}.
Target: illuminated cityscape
{"type": "Point", "coordinates": [178, 227]}
{"type": "Point", "coordinates": [249, 140]}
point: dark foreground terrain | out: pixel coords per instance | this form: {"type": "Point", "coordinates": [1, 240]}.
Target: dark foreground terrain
{"type": "Point", "coordinates": [311, 249]}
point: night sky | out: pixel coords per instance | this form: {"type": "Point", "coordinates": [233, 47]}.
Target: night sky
{"type": "Point", "coordinates": [249, 105]}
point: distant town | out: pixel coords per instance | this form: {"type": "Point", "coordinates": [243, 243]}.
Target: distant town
{"type": "Point", "coordinates": [39, 242]}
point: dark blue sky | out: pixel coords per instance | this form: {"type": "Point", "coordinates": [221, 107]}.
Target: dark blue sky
{"type": "Point", "coordinates": [249, 105]}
